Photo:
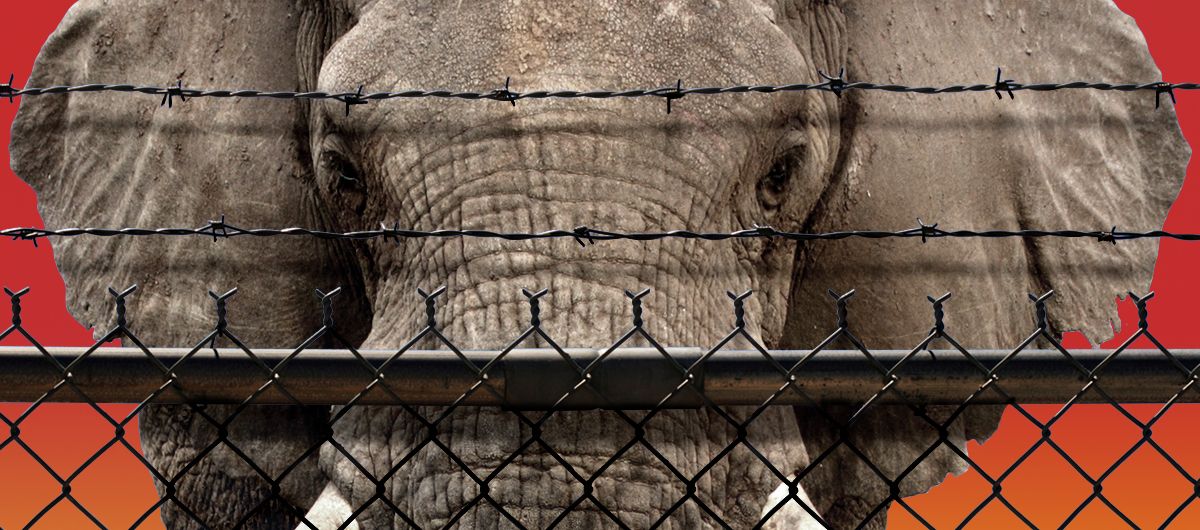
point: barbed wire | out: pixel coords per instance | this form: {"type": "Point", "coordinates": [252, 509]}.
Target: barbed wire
{"type": "Point", "coordinates": [834, 84]}
{"type": "Point", "coordinates": [220, 229]}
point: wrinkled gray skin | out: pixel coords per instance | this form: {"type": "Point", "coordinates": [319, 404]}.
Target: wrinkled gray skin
{"type": "Point", "coordinates": [801, 161]}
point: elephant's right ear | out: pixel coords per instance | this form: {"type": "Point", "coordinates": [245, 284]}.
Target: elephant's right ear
{"type": "Point", "coordinates": [121, 160]}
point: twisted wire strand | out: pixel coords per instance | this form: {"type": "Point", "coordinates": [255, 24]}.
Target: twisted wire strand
{"type": "Point", "coordinates": [836, 85]}
{"type": "Point", "coordinates": [582, 234]}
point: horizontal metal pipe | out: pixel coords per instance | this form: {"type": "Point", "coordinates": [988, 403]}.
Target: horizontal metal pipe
{"type": "Point", "coordinates": [631, 378]}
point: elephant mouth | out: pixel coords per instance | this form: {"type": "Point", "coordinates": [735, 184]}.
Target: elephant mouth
{"type": "Point", "coordinates": [642, 475]}
{"type": "Point", "coordinates": [632, 472]}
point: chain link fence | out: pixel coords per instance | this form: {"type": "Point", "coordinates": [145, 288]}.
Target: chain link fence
{"type": "Point", "coordinates": [637, 378]}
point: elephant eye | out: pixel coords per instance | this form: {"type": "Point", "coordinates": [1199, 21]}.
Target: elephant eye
{"type": "Point", "coordinates": [344, 181]}
{"type": "Point", "coordinates": [343, 170]}
{"type": "Point", "coordinates": [773, 185]}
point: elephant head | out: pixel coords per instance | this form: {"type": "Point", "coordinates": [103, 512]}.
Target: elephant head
{"type": "Point", "coordinates": [808, 161]}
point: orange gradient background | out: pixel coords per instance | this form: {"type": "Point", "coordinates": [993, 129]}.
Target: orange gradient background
{"type": "Point", "coordinates": [117, 489]}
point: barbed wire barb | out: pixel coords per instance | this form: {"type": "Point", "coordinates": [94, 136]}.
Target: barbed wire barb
{"type": "Point", "coordinates": [678, 93]}
{"type": "Point", "coordinates": [171, 93]}
{"type": "Point", "coordinates": [355, 98]}
{"type": "Point", "coordinates": [7, 90]}
{"type": "Point", "coordinates": [834, 84]}
{"type": "Point", "coordinates": [1163, 88]}
{"type": "Point", "coordinates": [1004, 85]}
{"type": "Point", "coordinates": [506, 93]}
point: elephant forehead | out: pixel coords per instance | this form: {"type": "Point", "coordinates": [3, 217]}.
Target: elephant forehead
{"type": "Point", "coordinates": [576, 44]}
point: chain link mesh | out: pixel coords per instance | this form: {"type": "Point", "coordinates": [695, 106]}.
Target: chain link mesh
{"type": "Point", "coordinates": [686, 387]}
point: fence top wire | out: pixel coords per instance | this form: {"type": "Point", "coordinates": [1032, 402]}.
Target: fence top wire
{"type": "Point", "coordinates": [220, 229]}
{"type": "Point", "coordinates": [833, 84]}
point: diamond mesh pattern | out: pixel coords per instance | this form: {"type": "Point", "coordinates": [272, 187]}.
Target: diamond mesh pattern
{"type": "Point", "coordinates": [686, 386]}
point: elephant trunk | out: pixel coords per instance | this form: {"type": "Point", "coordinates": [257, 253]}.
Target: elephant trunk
{"type": "Point", "coordinates": [432, 475]}
{"type": "Point", "coordinates": [464, 464]}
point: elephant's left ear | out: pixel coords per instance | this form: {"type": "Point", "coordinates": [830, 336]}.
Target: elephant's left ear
{"type": "Point", "coordinates": [1073, 159]}
{"type": "Point", "coordinates": [121, 160]}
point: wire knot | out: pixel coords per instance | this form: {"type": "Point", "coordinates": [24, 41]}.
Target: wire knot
{"type": "Point", "coordinates": [26, 234]}
{"type": "Point", "coordinates": [939, 313]}
{"type": "Point", "coordinates": [16, 304]}
{"type": "Point", "coordinates": [431, 304]}
{"type": "Point", "coordinates": [1039, 304]}
{"type": "Point", "coordinates": [222, 324]}
{"type": "Point", "coordinates": [7, 90]}
{"type": "Point", "coordinates": [581, 233]}
{"type": "Point", "coordinates": [841, 300]}
{"type": "Point", "coordinates": [637, 305]}
{"type": "Point", "coordinates": [1108, 237]}
{"type": "Point", "coordinates": [765, 231]}
{"type": "Point", "coordinates": [673, 94]}
{"type": "Point", "coordinates": [739, 307]}
{"type": "Point", "coordinates": [355, 98]}
{"type": "Point", "coordinates": [120, 299]}
{"type": "Point", "coordinates": [1143, 312]}
{"type": "Point", "coordinates": [172, 92]}
{"type": "Point", "coordinates": [390, 234]}
{"type": "Point", "coordinates": [833, 84]}
{"type": "Point", "coordinates": [504, 94]}
{"type": "Point", "coordinates": [1003, 85]}
{"type": "Point", "coordinates": [218, 229]}
{"type": "Point", "coordinates": [327, 306]}
{"type": "Point", "coordinates": [1160, 88]}
{"type": "Point", "coordinates": [927, 231]}
{"type": "Point", "coordinates": [535, 306]}
{"type": "Point", "coordinates": [221, 311]}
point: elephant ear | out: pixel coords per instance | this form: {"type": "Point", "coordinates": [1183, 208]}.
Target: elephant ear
{"type": "Point", "coordinates": [1076, 159]}
{"type": "Point", "coordinates": [122, 160]}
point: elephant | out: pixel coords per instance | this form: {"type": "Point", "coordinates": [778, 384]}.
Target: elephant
{"type": "Point", "coordinates": [809, 161]}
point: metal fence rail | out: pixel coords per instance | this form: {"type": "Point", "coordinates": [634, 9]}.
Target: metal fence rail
{"type": "Point", "coordinates": [628, 379]}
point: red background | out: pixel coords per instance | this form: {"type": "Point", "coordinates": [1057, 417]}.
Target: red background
{"type": "Point", "coordinates": [117, 489]}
